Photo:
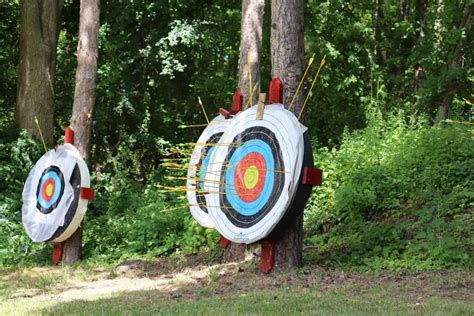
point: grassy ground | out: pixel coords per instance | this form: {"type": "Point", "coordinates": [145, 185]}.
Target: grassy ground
{"type": "Point", "coordinates": [185, 287]}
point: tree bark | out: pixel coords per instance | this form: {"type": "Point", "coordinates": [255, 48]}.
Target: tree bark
{"type": "Point", "coordinates": [453, 62]}
{"type": "Point", "coordinates": [84, 99]}
{"type": "Point", "coordinates": [287, 55]}
{"type": "Point", "coordinates": [39, 32]}
{"type": "Point", "coordinates": [404, 10]}
{"type": "Point", "coordinates": [250, 42]}
{"type": "Point", "coordinates": [379, 18]}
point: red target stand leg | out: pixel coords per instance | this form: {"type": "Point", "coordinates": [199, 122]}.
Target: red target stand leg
{"type": "Point", "coordinates": [267, 259]}
{"type": "Point", "coordinates": [311, 176]}
{"type": "Point", "coordinates": [58, 249]}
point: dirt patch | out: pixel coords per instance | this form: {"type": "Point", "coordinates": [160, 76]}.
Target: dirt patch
{"type": "Point", "coordinates": [189, 278]}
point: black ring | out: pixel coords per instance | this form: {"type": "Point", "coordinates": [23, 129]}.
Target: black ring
{"type": "Point", "coordinates": [200, 198]}
{"type": "Point", "coordinates": [267, 136]}
{"type": "Point", "coordinates": [38, 190]}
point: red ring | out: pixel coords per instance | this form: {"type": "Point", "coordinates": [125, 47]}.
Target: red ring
{"type": "Point", "coordinates": [43, 190]}
{"type": "Point", "coordinates": [252, 159]}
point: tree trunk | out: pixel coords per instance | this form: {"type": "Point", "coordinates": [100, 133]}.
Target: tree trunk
{"type": "Point", "coordinates": [379, 18]}
{"type": "Point", "coordinates": [287, 54]}
{"type": "Point", "coordinates": [453, 62]}
{"type": "Point", "coordinates": [421, 7]}
{"type": "Point", "coordinates": [84, 99]}
{"type": "Point", "coordinates": [404, 10]}
{"type": "Point", "coordinates": [39, 32]}
{"type": "Point", "coordinates": [250, 42]}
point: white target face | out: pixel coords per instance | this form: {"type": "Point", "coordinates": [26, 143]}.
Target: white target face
{"type": "Point", "coordinates": [52, 208]}
{"type": "Point", "coordinates": [199, 167]}
{"type": "Point", "coordinates": [254, 172]}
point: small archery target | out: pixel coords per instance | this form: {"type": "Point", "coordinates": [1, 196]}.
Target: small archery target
{"type": "Point", "coordinates": [198, 169]}
{"type": "Point", "coordinates": [52, 207]}
{"type": "Point", "coordinates": [254, 172]}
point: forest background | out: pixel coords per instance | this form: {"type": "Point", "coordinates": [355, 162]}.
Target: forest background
{"type": "Point", "coordinates": [390, 119]}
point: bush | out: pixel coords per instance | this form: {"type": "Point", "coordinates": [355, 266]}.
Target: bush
{"type": "Point", "coordinates": [18, 153]}
{"type": "Point", "coordinates": [398, 195]}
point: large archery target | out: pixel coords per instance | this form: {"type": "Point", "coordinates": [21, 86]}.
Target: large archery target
{"type": "Point", "coordinates": [52, 208]}
{"type": "Point", "coordinates": [198, 168]}
{"type": "Point", "coordinates": [255, 173]}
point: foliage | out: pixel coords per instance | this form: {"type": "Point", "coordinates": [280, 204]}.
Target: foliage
{"type": "Point", "coordinates": [9, 50]}
{"type": "Point", "coordinates": [415, 62]}
{"type": "Point", "coordinates": [397, 195]}
{"type": "Point", "coordinates": [17, 157]}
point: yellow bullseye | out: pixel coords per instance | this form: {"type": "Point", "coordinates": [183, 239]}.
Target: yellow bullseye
{"type": "Point", "coordinates": [251, 177]}
{"type": "Point", "coordinates": [49, 190]}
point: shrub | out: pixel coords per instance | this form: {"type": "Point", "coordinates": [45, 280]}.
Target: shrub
{"type": "Point", "coordinates": [397, 195]}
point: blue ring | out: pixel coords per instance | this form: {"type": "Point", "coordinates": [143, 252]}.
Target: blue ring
{"type": "Point", "coordinates": [242, 207]}
{"type": "Point", "coordinates": [204, 165]}
{"type": "Point", "coordinates": [57, 189]}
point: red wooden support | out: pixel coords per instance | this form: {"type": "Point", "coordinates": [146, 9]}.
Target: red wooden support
{"type": "Point", "coordinates": [224, 112]}
{"type": "Point", "coordinates": [57, 255]}
{"type": "Point", "coordinates": [275, 93]}
{"type": "Point", "coordinates": [237, 105]}
{"type": "Point", "coordinates": [267, 260]}
{"type": "Point", "coordinates": [87, 194]}
{"type": "Point", "coordinates": [69, 136]}
{"type": "Point", "coordinates": [312, 176]}
{"type": "Point", "coordinates": [237, 102]}
{"type": "Point", "coordinates": [224, 242]}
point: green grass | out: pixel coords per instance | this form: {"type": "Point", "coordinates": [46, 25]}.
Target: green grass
{"type": "Point", "coordinates": [232, 290]}
{"type": "Point", "coordinates": [278, 302]}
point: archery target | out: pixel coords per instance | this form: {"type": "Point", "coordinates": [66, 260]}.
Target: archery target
{"type": "Point", "coordinates": [52, 207]}
{"type": "Point", "coordinates": [254, 173]}
{"type": "Point", "coordinates": [198, 168]}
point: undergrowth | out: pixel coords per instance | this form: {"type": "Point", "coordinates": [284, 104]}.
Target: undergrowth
{"type": "Point", "coordinates": [397, 195]}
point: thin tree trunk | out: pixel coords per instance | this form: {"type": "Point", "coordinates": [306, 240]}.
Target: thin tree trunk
{"type": "Point", "coordinates": [250, 43]}
{"type": "Point", "coordinates": [39, 32]}
{"type": "Point", "coordinates": [84, 99]}
{"type": "Point", "coordinates": [454, 61]}
{"type": "Point", "coordinates": [421, 6]}
{"type": "Point", "coordinates": [379, 17]}
{"type": "Point", "coordinates": [404, 10]}
{"type": "Point", "coordinates": [287, 55]}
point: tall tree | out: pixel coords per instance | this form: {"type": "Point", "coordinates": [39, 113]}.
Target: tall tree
{"type": "Point", "coordinates": [287, 55]}
{"type": "Point", "coordinates": [455, 60]}
{"type": "Point", "coordinates": [250, 43]}
{"type": "Point", "coordinates": [39, 32]}
{"type": "Point", "coordinates": [84, 99]}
